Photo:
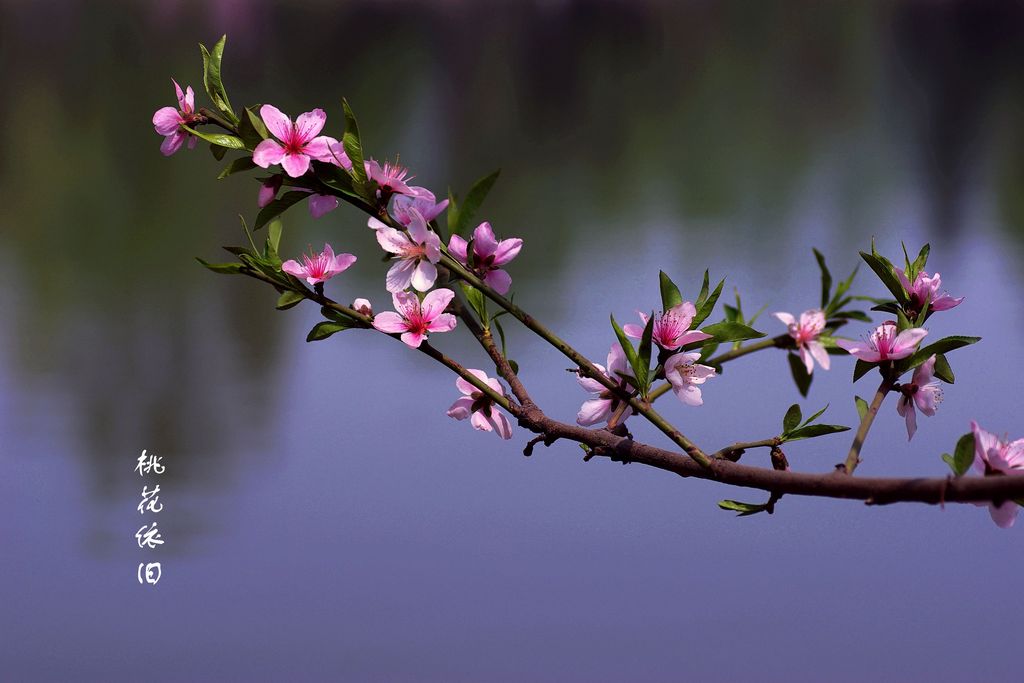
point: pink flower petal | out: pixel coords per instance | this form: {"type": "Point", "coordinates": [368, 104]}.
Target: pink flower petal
{"type": "Point", "coordinates": [320, 149]}
{"type": "Point", "coordinates": [391, 240]}
{"type": "Point", "coordinates": [443, 323]}
{"type": "Point", "coordinates": [461, 409]}
{"type": "Point", "coordinates": [413, 339]}
{"type": "Point", "coordinates": [319, 204]}
{"type": "Point", "coordinates": [423, 275]}
{"type": "Point", "coordinates": [507, 250]}
{"type": "Point", "coordinates": [292, 267]}
{"type": "Point", "coordinates": [268, 153]}
{"type": "Point", "coordinates": [308, 126]}
{"type": "Point", "coordinates": [480, 422]}
{"type": "Point", "coordinates": [294, 165]}
{"type": "Point", "coordinates": [277, 123]}
{"type": "Point", "coordinates": [906, 342]}
{"type": "Point", "coordinates": [179, 94]}
{"type": "Point", "coordinates": [399, 276]}
{"type": "Point", "coordinates": [166, 120]}
{"type": "Point", "coordinates": [786, 319]}
{"type": "Point", "coordinates": [172, 143]}
{"type": "Point", "coordinates": [499, 280]}
{"type": "Point", "coordinates": [484, 242]}
{"type": "Point", "coordinates": [501, 425]}
{"type": "Point", "coordinates": [1004, 515]}
{"type": "Point", "coordinates": [818, 352]}
{"type": "Point", "coordinates": [593, 411]}
{"type": "Point", "coordinates": [435, 302]}
{"type": "Point", "coordinates": [457, 246]}
{"type": "Point", "coordinates": [390, 322]}
{"type": "Point", "coordinates": [861, 350]}
{"type": "Point", "coordinates": [417, 226]}
{"type": "Point", "coordinates": [342, 262]}
{"type": "Point", "coordinates": [190, 101]}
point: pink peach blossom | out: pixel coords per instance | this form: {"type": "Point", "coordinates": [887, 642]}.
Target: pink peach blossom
{"type": "Point", "coordinates": [317, 268]}
{"type": "Point", "coordinates": [599, 409]}
{"type": "Point", "coordinates": [489, 255]}
{"type": "Point", "coordinates": [806, 333]}
{"type": "Point", "coordinates": [685, 375]}
{"type": "Point", "coordinates": [416, 250]}
{"type": "Point", "coordinates": [671, 329]}
{"type": "Point", "coordinates": [299, 141]}
{"type": "Point", "coordinates": [422, 200]}
{"type": "Point", "coordinates": [993, 457]}
{"type": "Point", "coordinates": [168, 121]}
{"type": "Point", "coordinates": [925, 290]}
{"type": "Point", "coordinates": [390, 178]}
{"type": "Point", "coordinates": [921, 392]}
{"type": "Point", "coordinates": [415, 320]}
{"type": "Point", "coordinates": [885, 344]}
{"type": "Point", "coordinates": [483, 412]}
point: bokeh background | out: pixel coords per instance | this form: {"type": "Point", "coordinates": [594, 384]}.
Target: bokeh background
{"type": "Point", "coordinates": [323, 519]}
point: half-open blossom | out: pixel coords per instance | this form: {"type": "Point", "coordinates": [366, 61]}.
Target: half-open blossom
{"type": "Point", "coordinates": [671, 328]}
{"type": "Point", "coordinates": [685, 375]}
{"type": "Point", "coordinates": [599, 409]}
{"type": "Point", "coordinates": [422, 200]}
{"type": "Point", "coordinates": [390, 178]}
{"type": "Point", "coordinates": [995, 456]}
{"type": "Point", "coordinates": [489, 255]}
{"type": "Point", "coordinates": [925, 290]}
{"type": "Point", "coordinates": [317, 268]}
{"type": "Point", "coordinates": [483, 413]}
{"type": "Point", "coordinates": [299, 141]}
{"type": "Point", "coordinates": [168, 121]}
{"type": "Point", "coordinates": [885, 344]}
{"type": "Point", "coordinates": [922, 392]}
{"type": "Point", "coordinates": [805, 333]}
{"type": "Point", "coordinates": [417, 250]}
{"type": "Point", "coordinates": [319, 204]}
{"type": "Point", "coordinates": [363, 306]}
{"type": "Point", "coordinates": [415, 320]}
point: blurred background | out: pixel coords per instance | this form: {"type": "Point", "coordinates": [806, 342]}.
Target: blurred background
{"type": "Point", "coordinates": [323, 519]}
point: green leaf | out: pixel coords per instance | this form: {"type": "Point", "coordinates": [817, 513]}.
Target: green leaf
{"type": "Point", "coordinates": [337, 316]}
{"type": "Point", "coordinates": [792, 419]}
{"type": "Point", "coordinates": [883, 269]}
{"type": "Point", "coordinates": [801, 377]}
{"type": "Point", "coordinates": [944, 345]}
{"type": "Point", "coordinates": [811, 431]}
{"type": "Point", "coordinates": [218, 152]}
{"type": "Point", "coordinates": [744, 509]}
{"type": "Point", "coordinates": [252, 129]}
{"type": "Point", "coordinates": [704, 287]}
{"type": "Point", "coordinates": [221, 139]}
{"type": "Point", "coordinates": [452, 211]}
{"type": "Point", "coordinates": [288, 299]}
{"type": "Point", "coordinates": [477, 301]}
{"type": "Point", "coordinates": [223, 268]}
{"type": "Point", "coordinates": [826, 278]}
{"type": "Point", "coordinates": [963, 456]}
{"type": "Point", "coordinates": [474, 199]}
{"type": "Point", "coordinates": [841, 289]}
{"type": "Point", "coordinates": [814, 417]}
{"type": "Point", "coordinates": [861, 368]}
{"type": "Point", "coordinates": [213, 80]}
{"type": "Point", "coordinates": [352, 144]}
{"type": "Point", "coordinates": [862, 406]}
{"type": "Point", "coordinates": [706, 304]}
{"type": "Point", "coordinates": [627, 347]}
{"type": "Point", "coordinates": [277, 207]}
{"type": "Point", "coordinates": [324, 329]}
{"type": "Point", "coordinates": [274, 236]}
{"type": "Point", "coordinates": [644, 357]}
{"type": "Point", "coordinates": [730, 331]}
{"type": "Point", "coordinates": [670, 296]}
{"type": "Point", "coordinates": [501, 335]}
{"type": "Point", "coordinates": [854, 315]}
{"type": "Point", "coordinates": [239, 165]}
{"type": "Point", "coordinates": [942, 369]}
{"type": "Point", "coordinates": [920, 262]}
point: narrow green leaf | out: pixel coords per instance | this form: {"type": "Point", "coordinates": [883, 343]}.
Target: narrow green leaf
{"type": "Point", "coordinates": [728, 331]}
{"type": "Point", "coordinates": [352, 144]}
{"type": "Point", "coordinates": [744, 509]}
{"type": "Point", "coordinates": [627, 346]}
{"type": "Point", "coordinates": [670, 296]}
{"type": "Point", "coordinates": [213, 78]}
{"type": "Point", "coordinates": [223, 268]}
{"type": "Point", "coordinates": [288, 299]}
{"type": "Point", "coordinates": [792, 418]}
{"type": "Point", "coordinates": [811, 431]}
{"type": "Point", "coordinates": [477, 301]}
{"type": "Point", "coordinates": [798, 370]}
{"type": "Point", "coordinates": [942, 369]}
{"type": "Point", "coordinates": [239, 165]}
{"type": "Point", "coordinates": [862, 406]}
{"type": "Point", "coordinates": [921, 261]}
{"type": "Point", "coordinates": [324, 329]}
{"type": "Point", "coordinates": [473, 201]}
{"type": "Point", "coordinates": [274, 230]}
{"type": "Point", "coordinates": [944, 345]}
{"type": "Point", "coordinates": [501, 335]}
{"type": "Point", "coordinates": [252, 129]}
{"type": "Point", "coordinates": [963, 456]}
{"type": "Point", "coordinates": [221, 139]}
{"type": "Point", "coordinates": [861, 368]}
{"type": "Point", "coordinates": [826, 278]}
{"type": "Point", "coordinates": [707, 305]}
{"type": "Point", "coordinates": [704, 287]}
{"type": "Point", "coordinates": [277, 207]}
{"type": "Point", "coordinates": [337, 316]}
{"type": "Point", "coordinates": [814, 417]}
{"type": "Point", "coordinates": [883, 269]}
{"type": "Point", "coordinates": [643, 368]}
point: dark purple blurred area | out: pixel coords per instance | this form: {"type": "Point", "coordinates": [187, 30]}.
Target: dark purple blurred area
{"type": "Point", "coordinates": [323, 519]}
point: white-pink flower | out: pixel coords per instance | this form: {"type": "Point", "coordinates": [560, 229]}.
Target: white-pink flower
{"type": "Point", "coordinates": [805, 333]}
{"type": "Point", "coordinates": [922, 392]}
{"type": "Point", "coordinates": [168, 121]}
{"type": "Point", "coordinates": [422, 200]}
{"type": "Point", "coordinates": [995, 456]}
{"type": "Point", "coordinates": [390, 178]}
{"type": "Point", "coordinates": [483, 413]}
{"type": "Point", "coordinates": [489, 255]}
{"type": "Point", "coordinates": [299, 141]}
{"type": "Point", "coordinates": [317, 268]}
{"type": "Point", "coordinates": [685, 375]}
{"type": "Point", "coordinates": [319, 204]}
{"type": "Point", "coordinates": [416, 250]}
{"type": "Point", "coordinates": [363, 306]}
{"type": "Point", "coordinates": [884, 343]}
{"type": "Point", "coordinates": [671, 328]}
{"type": "Point", "coordinates": [415, 320]}
{"type": "Point", "coordinates": [925, 289]}
{"type": "Point", "coordinates": [600, 408]}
